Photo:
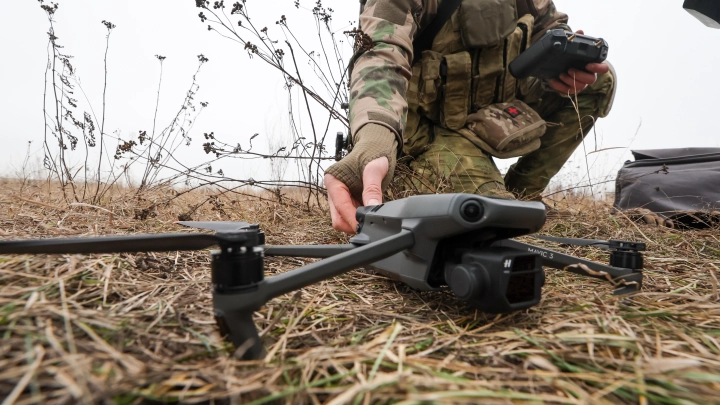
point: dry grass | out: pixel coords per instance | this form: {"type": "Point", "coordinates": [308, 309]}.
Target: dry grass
{"type": "Point", "coordinates": [129, 329]}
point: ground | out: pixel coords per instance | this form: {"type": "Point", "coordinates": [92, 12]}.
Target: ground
{"type": "Point", "coordinates": [139, 328]}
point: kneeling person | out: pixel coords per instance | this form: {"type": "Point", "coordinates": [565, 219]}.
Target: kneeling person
{"type": "Point", "coordinates": [445, 106]}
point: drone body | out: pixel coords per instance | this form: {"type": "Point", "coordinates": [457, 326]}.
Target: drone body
{"type": "Point", "coordinates": [428, 242]}
{"type": "Point", "coordinates": [455, 248]}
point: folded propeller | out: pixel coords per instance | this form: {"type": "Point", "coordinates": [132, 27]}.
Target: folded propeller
{"type": "Point", "coordinates": [227, 234]}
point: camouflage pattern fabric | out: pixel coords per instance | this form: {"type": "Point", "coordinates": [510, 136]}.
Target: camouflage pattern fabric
{"type": "Point", "coordinates": [380, 73]}
{"type": "Point", "coordinates": [382, 93]}
{"type": "Point", "coordinates": [506, 128]}
{"type": "Point", "coordinates": [566, 127]}
{"type": "Point", "coordinates": [452, 163]}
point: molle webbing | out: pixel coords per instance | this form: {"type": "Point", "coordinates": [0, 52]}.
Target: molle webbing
{"type": "Point", "coordinates": [492, 82]}
{"type": "Point", "coordinates": [424, 40]}
{"type": "Point", "coordinates": [490, 68]}
{"type": "Point", "coordinates": [456, 82]}
{"type": "Point", "coordinates": [457, 90]}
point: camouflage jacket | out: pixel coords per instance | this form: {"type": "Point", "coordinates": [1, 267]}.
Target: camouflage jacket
{"type": "Point", "coordinates": [382, 66]}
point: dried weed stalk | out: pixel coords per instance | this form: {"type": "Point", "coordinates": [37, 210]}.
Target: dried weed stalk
{"type": "Point", "coordinates": [138, 328]}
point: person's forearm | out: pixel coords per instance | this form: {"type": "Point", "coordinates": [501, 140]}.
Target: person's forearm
{"type": "Point", "coordinates": [381, 71]}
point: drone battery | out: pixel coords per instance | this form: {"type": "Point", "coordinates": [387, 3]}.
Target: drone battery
{"type": "Point", "coordinates": [556, 52]}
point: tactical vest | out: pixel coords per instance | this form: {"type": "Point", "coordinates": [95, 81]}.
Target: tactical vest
{"type": "Point", "coordinates": [463, 83]}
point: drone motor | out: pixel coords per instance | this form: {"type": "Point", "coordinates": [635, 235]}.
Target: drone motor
{"type": "Point", "coordinates": [626, 255]}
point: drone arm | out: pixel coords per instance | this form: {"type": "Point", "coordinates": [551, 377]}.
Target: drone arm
{"type": "Point", "coordinates": [314, 251]}
{"type": "Point", "coordinates": [338, 264]}
{"type": "Point", "coordinates": [234, 311]}
{"type": "Point", "coordinates": [626, 280]}
{"type": "Point", "coordinates": [255, 297]}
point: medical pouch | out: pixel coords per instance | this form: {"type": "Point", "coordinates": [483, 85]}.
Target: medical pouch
{"type": "Point", "coordinates": [506, 130]}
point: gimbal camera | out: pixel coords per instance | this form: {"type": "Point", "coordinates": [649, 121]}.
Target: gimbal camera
{"type": "Point", "coordinates": [429, 242]}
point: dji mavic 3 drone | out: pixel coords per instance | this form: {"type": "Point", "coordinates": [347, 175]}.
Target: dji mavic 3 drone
{"type": "Point", "coordinates": [428, 242]}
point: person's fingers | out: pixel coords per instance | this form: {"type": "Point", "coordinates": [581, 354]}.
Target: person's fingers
{"type": "Point", "coordinates": [598, 68]}
{"type": "Point", "coordinates": [560, 86]}
{"type": "Point", "coordinates": [338, 222]}
{"type": "Point", "coordinates": [342, 203]}
{"type": "Point", "coordinates": [582, 77]}
{"type": "Point", "coordinates": [575, 86]}
{"type": "Point", "coordinates": [581, 32]}
{"type": "Point", "coordinates": [373, 175]}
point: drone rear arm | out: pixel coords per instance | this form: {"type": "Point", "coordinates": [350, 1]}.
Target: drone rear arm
{"type": "Point", "coordinates": [626, 280]}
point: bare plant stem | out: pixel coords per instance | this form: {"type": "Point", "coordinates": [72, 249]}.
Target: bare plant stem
{"type": "Point", "coordinates": [157, 101]}
{"type": "Point", "coordinates": [102, 123]}
{"type": "Point", "coordinates": [49, 162]}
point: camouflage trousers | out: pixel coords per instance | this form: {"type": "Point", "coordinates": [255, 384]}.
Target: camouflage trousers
{"type": "Point", "coordinates": [451, 163]}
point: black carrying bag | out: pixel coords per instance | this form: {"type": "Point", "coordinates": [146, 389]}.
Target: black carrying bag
{"type": "Point", "coordinates": [681, 185]}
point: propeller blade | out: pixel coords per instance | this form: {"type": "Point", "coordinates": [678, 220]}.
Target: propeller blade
{"type": "Point", "coordinates": [219, 226]}
{"type": "Point", "coordinates": [603, 244]}
{"type": "Point", "coordinates": [112, 244]}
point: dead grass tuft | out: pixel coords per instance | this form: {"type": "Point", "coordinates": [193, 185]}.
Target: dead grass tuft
{"type": "Point", "coordinates": [125, 329]}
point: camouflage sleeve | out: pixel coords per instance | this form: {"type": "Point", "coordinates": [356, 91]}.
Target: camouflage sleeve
{"type": "Point", "coordinates": [382, 69]}
{"type": "Point", "coordinates": [548, 18]}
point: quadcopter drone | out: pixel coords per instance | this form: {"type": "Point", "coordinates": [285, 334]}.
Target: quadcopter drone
{"type": "Point", "coordinates": [429, 242]}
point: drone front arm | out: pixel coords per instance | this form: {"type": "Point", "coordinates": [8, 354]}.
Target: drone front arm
{"type": "Point", "coordinates": [255, 297]}
{"type": "Point", "coordinates": [626, 280]}
{"type": "Point", "coordinates": [338, 264]}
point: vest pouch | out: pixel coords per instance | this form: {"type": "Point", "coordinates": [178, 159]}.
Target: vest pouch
{"type": "Point", "coordinates": [505, 130]}
{"type": "Point", "coordinates": [423, 97]}
{"type": "Point", "coordinates": [429, 84]}
{"type": "Point", "coordinates": [486, 22]}
{"type": "Point", "coordinates": [456, 93]}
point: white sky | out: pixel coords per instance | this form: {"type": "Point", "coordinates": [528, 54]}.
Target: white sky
{"type": "Point", "coordinates": [667, 63]}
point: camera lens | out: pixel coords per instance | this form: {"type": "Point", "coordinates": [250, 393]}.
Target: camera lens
{"type": "Point", "coordinates": [464, 282]}
{"type": "Point", "coordinates": [471, 211]}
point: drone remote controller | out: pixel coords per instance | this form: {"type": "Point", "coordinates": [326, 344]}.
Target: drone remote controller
{"type": "Point", "coordinates": [556, 52]}
{"type": "Point", "coordinates": [429, 242]}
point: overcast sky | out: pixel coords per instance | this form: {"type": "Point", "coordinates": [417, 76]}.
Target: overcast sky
{"type": "Point", "coordinates": [667, 63]}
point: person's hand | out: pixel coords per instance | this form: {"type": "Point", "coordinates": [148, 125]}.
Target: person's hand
{"type": "Point", "coordinates": [575, 80]}
{"type": "Point", "coordinates": [343, 205]}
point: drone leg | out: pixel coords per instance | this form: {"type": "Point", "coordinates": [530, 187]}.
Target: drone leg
{"type": "Point", "coordinates": [238, 327]}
